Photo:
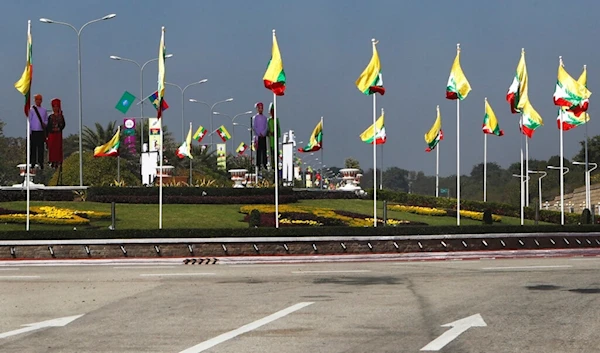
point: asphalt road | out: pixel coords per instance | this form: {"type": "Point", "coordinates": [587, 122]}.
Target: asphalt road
{"type": "Point", "coordinates": [529, 305]}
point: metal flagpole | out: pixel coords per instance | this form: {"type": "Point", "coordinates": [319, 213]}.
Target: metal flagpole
{"type": "Point", "coordinates": [437, 170]}
{"type": "Point", "coordinates": [322, 160]}
{"type": "Point", "coordinates": [28, 174]}
{"type": "Point", "coordinates": [118, 169]}
{"type": "Point", "coordinates": [381, 170]}
{"type": "Point", "coordinates": [562, 174]}
{"type": "Point", "coordinates": [458, 162]}
{"type": "Point", "coordinates": [276, 158]}
{"type": "Point", "coordinates": [527, 171]}
{"type": "Point", "coordinates": [522, 181]}
{"type": "Point", "coordinates": [374, 159]}
{"type": "Point", "coordinates": [160, 188]}
{"type": "Point", "coordinates": [485, 167]}
{"type": "Point", "coordinates": [588, 200]}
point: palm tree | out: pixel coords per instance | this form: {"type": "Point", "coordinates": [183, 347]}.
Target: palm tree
{"type": "Point", "coordinates": [92, 139]}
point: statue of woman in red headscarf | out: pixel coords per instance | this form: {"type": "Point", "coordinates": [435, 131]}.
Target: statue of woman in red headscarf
{"type": "Point", "coordinates": [56, 124]}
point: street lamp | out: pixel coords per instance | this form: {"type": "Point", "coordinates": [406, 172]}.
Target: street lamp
{"type": "Point", "coordinates": [118, 58]}
{"type": "Point", "coordinates": [562, 195]}
{"type": "Point", "coordinates": [212, 107]}
{"type": "Point", "coordinates": [233, 123]}
{"type": "Point", "coordinates": [539, 183]}
{"type": "Point", "coordinates": [588, 200]}
{"type": "Point", "coordinates": [78, 32]}
{"type": "Point", "coordinates": [183, 100]}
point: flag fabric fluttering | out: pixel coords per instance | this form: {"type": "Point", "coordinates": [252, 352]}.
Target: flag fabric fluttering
{"type": "Point", "coordinates": [125, 102]}
{"type": "Point", "coordinates": [161, 75]}
{"type": "Point", "coordinates": [530, 120]}
{"type": "Point", "coordinates": [185, 150]}
{"type": "Point", "coordinates": [518, 91]}
{"type": "Point", "coordinates": [458, 87]}
{"type": "Point", "coordinates": [274, 78]}
{"type": "Point", "coordinates": [200, 133]}
{"type": "Point", "coordinates": [435, 134]}
{"type": "Point", "coordinates": [570, 94]}
{"type": "Point", "coordinates": [315, 142]}
{"type": "Point", "coordinates": [223, 133]}
{"type": "Point", "coordinates": [370, 80]}
{"type": "Point", "coordinates": [242, 148]}
{"type": "Point", "coordinates": [154, 100]}
{"type": "Point", "coordinates": [569, 119]}
{"type": "Point", "coordinates": [490, 122]}
{"type": "Point", "coordinates": [111, 148]}
{"type": "Point", "coordinates": [380, 136]}
{"type": "Point", "coordinates": [24, 83]}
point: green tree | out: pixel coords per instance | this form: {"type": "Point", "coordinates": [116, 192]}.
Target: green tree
{"type": "Point", "coordinates": [351, 163]}
{"type": "Point", "coordinates": [93, 138]}
{"type": "Point", "coordinates": [96, 171]}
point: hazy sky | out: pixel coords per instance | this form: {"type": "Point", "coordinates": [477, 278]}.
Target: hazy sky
{"type": "Point", "coordinates": [324, 45]}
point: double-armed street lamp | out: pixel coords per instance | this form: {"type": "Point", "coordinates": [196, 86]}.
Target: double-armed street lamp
{"type": "Point", "coordinates": [78, 32]}
{"type": "Point", "coordinates": [212, 108]}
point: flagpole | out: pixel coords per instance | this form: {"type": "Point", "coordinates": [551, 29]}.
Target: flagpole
{"type": "Point", "coordinates": [485, 167]}
{"type": "Point", "coordinates": [381, 169]}
{"type": "Point", "coordinates": [458, 162]}
{"type": "Point", "coordinates": [374, 158]}
{"type": "Point", "coordinates": [160, 153]}
{"type": "Point", "coordinates": [190, 150]}
{"type": "Point", "coordinates": [28, 175]}
{"type": "Point", "coordinates": [437, 170]}
{"type": "Point", "coordinates": [276, 157]}
{"type": "Point", "coordinates": [522, 182]}
{"type": "Point", "coordinates": [321, 181]}
{"type": "Point", "coordinates": [118, 169]}
{"type": "Point", "coordinates": [526, 171]}
{"type": "Point", "coordinates": [562, 174]}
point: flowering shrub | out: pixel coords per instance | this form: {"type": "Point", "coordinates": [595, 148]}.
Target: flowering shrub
{"type": "Point", "coordinates": [426, 211]}
{"type": "Point", "coordinates": [54, 215]}
{"type": "Point", "coordinates": [478, 216]}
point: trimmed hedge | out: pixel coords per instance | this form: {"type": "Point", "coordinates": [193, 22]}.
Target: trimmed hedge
{"type": "Point", "coordinates": [36, 195]}
{"type": "Point", "coordinates": [89, 233]}
{"type": "Point", "coordinates": [94, 192]}
{"type": "Point", "coordinates": [178, 199]}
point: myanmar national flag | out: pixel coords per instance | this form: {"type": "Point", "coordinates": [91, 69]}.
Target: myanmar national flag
{"type": "Point", "coordinates": [570, 94]}
{"type": "Point", "coordinates": [200, 133]}
{"type": "Point", "coordinates": [185, 150]}
{"type": "Point", "coordinates": [435, 134]}
{"type": "Point", "coordinates": [376, 133]}
{"type": "Point", "coordinates": [111, 148]}
{"type": "Point", "coordinates": [530, 120]}
{"type": "Point", "coordinates": [316, 139]}
{"type": "Point", "coordinates": [458, 87]}
{"type": "Point", "coordinates": [570, 120]}
{"type": "Point", "coordinates": [223, 133]}
{"type": "Point", "coordinates": [24, 83]}
{"type": "Point", "coordinates": [371, 80]}
{"type": "Point", "coordinates": [490, 123]}
{"type": "Point", "coordinates": [242, 148]}
{"type": "Point", "coordinates": [274, 78]}
{"type": "Point", "coordinates": [517, 92]}
{"type": "Point", "coordinates": [161, 76]}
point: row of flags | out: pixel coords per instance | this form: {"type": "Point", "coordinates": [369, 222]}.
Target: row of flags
{"type": "Point", "coordinates": [572, 97]}
{"type": "Point", "coordinates": [128, 98]}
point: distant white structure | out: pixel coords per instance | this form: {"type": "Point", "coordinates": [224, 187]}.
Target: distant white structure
{"type": "Point", "coordinates": [149, 163]}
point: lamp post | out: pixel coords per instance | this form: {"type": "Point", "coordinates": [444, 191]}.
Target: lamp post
{"type": "Point", "coordinates": [588, 199]}
{"type": "Point", "coordinates": [211, 107]}
{"type": "Point", "coordinates": [539, 183]}
{"type": "Point", "coordinates": [233, 124]}
{"type": "Point", "coordinates": [183, 100]}
{"type": "Point", "coordinates": [78, 32]}
{"type": "Point", "coordinates": [142, 66]}
{"type": "Point", "coordinates": [562, 196]}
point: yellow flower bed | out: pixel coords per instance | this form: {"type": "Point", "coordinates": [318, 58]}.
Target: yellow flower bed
{"type": "Point", "coordinates": [426, 211]}
{"type": "Point", "coordinates": [478, 216]}
{"type": "Point", "coordinates": [300, 222]}
{"type": "Point", "coordinates": [55, 215]}
{"type": "Point", "coordinates": [319, 212]}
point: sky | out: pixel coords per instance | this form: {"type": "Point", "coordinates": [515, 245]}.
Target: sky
{"type": "Point", "coordinates": [325, 45]}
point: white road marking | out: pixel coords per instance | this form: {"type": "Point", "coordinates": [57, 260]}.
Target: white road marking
{"type": "Point", "coordinates": [60, 322]}
{"type": "Point", "coordinates": [18, 277]}
{"type": "Point", "coordinates": [268, 265]}
{"type": "Point", "coordinates": [9, 269]}
{"type": "Point", "coordinates": [525, 267]}
{"type": "Point", "coordinates": [458, 327]}
{"type": "Point", "coordinates": [325, 272]}
{"type": "Point", "coordinates": [142, 267]}
{"type": "Point", "coordinates": [595, 258]}
{"type": "Point", "coordinates": [176, 274]}
{"type": "Point", "coordinates": [244, 329]}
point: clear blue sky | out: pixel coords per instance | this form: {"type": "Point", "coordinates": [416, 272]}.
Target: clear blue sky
{"type": "Point", "coordinates": [325, 45]}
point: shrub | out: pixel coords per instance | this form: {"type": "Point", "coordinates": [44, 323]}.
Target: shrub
{"type": "Point", "coordinates": [254, 218]}
{"type": "Point", "coordinates": [586, 217]}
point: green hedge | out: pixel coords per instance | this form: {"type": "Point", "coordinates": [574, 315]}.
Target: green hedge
{"type": "Point", "coordinates": [85, 233]}
{"type": "Point", "coordinates": [182, 191]}
{"type": "Point", "coordinates": [470, 205]}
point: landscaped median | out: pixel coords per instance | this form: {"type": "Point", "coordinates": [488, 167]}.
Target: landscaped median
{"type": "Point", "coordinates": [52, 216]}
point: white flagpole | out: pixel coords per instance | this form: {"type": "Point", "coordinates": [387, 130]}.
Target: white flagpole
{"type": "Point", "coordinates": [160, 187]}
{"type": "Point", "coordinates": [485, 167]}
{"type": "Point", "coordinates": [522, 182]}
{"type": "Point", "coordinates": [276, 158]}
{"type": "Point", "coordinates": [28, 175]}
{"type": "Point", "coordinates": [437, 170]}
{"type": "Point", "coordinates": [374, 159]}
{"type": "Point", "coordinates": [562, 174]}
{"type": "Point", "coordinates": [458, 162]}
{"type": "Point", "coordinates": [526, 171]}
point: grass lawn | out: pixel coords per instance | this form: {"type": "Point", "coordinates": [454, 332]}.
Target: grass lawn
{"type": "Point", "coordinates": [142, 216]}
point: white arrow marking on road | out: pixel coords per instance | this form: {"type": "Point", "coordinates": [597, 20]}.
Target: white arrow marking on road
{"type": "Point", "coordinates": [458, 327]}
{"type": "Point", "coordinates": [246, 328]}
{"type": "Point", "coordinates": [60, 322]}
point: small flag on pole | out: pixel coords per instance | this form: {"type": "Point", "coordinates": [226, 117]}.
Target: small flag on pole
{"type": "Point", "coordinates": [223, 133]}
{"type": "Point", "coordinates": [435, 134]}
{"type": "Point", "coordinates": [242, 148]}
{"type": "Point", "coordinates": [154, 99]}
{"type": "Point", "coordinates": [185, 150]}
{"type": "Point", "coordinates": [380, 136]}
{"type": "Point", "coordinates": [24, 83]}
{"type": "Point", "coordinates": [125, 102]}
{"type": "Point", "coordinates": [200, 133]}
{"type": "Point", "coordinates": [111, 148]}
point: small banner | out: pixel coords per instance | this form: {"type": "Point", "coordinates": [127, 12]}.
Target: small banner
{"type": "Point", "coordinates": [221, 156]}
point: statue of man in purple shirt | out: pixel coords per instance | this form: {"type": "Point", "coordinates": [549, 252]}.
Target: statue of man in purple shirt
{"type": "Point", "coordinates": [259, 124]}
{"type": "Point", "coordinates": [38, 120]}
